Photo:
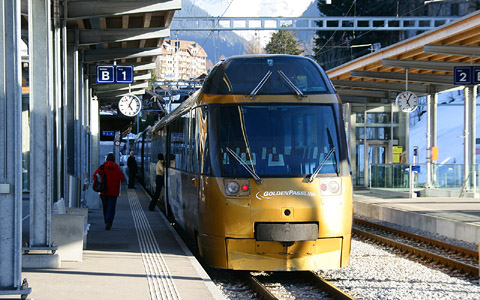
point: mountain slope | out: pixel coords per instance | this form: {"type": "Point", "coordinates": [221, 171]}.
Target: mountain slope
{"type": "Point", "coordinates": [216, 44]}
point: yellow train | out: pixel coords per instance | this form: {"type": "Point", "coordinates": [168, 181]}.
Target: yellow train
{"type": "Point", "coordinates": [258, 170]}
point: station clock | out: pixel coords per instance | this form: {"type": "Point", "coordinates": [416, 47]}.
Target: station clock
{"type": "Point", "coordinates": [407, 101]}
{"type": "Point", "coordinates": [130, 105]}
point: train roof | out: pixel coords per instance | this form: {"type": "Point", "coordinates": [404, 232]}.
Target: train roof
{"type": "Point", "coordinates": [259, 75]}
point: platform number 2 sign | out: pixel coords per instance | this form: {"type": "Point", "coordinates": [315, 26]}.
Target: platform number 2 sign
{"type": "Point", "coordinates": [466, 75]}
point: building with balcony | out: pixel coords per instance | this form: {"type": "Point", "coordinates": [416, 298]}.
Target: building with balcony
{"type": "Point", "coordinates": [181, 60]}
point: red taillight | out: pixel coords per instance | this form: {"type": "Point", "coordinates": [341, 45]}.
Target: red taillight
{"type": "Point", "coordinates": [323, 187]}
{"type": "Point", "coordinates": [244, 187]}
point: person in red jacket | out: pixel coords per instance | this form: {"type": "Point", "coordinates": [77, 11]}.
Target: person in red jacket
{"type": "Point", "coordinates": [109, 197]}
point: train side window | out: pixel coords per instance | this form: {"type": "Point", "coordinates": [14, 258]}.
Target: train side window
{"type": "Point", "coordinates": [179, 141]}
{"type": "Point", "coordinates": [193, 162]}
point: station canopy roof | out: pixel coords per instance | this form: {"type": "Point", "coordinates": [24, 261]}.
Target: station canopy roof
{"type": "Point", "coordinates": [429, 59]}
{"type": "Point", "coordinates": [122, 32]}
{"type": "Point", "coordinates": [127, 32]}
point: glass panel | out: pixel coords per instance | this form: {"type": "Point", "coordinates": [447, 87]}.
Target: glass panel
{"type": "Point", "coordinates": [243, 75]}
{"type": "Point", "coordinates": [277, 139]}
{"type": "Point", "coordinates": [381, 155]}
{"type": "Point", "coordinates": [179, 141]}
{"type": "Point", "coordinates": [360, 176]}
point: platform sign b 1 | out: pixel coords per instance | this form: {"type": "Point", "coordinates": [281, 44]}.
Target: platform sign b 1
{"type": "Point", "coordinates": [115, 74]}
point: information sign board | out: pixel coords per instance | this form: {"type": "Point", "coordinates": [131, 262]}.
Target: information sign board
{"type": "Point", "coordinates": [114, 74]}
{"type": "Point", "coordinates": [105, 74]}
{"type": "Point", "coordinates": [476, 75]}
{"type": "Point", "coordinates": [124, 74]}
{"type": "Point", "coordinates": [462, 75]}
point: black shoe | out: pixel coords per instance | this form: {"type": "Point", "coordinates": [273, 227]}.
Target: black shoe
{"type": "Point", "coordinates": [151, 208]}
{"type": "Point", "coordinates": [108, 226]}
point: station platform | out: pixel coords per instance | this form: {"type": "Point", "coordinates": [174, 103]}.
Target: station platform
{"type": "Point", "coordinates": [141, 257]}
{"type": "Point", "coordinates": [457, 218]}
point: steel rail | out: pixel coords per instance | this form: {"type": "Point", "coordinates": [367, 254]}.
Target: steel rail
{"type": "Point", "coordinates": [469, 269]}
{"type": "Point", "coordinates": [464, 251]}
{"type": "Point", "coordinates": [259, 287]}
{"type": "Point", "coordinates": [324, 285]}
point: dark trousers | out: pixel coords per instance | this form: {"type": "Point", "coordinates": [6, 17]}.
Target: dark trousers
{"type": "Point", "coordinates": [158, 189]}
{"type": "Point", "coordinates": [131, 179]}
{"type": "Point", "coordinates": [109, 204]}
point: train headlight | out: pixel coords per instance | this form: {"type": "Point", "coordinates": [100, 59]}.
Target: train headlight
{"type": "Point", "coordinates": [330, 186]}
{"type": "Point", "coordinates": [232, 188]}
{"type": "Point", "coordinates": [237, 187]}
{"type": "Point", "coordinates": [333, 187]}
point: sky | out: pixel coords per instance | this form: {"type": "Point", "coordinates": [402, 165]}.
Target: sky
{"type": "Point", "coordinates": [254, 8]}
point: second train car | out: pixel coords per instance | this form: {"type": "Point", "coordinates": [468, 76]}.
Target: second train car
{"type": "Point", "coordinates": [257, 169]}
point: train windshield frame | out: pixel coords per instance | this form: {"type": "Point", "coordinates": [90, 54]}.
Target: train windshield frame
{"type": "Point", "coordinates": [241, 76]}
{"type": "Point", "coordinates": [280, 140]}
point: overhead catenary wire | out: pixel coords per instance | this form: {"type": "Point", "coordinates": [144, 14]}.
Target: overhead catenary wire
{"type": "Point", "coordinates": [363, 34]}
{"type": "Point", "coordinates": [217, 24]}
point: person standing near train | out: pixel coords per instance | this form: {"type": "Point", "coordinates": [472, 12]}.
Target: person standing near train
{"type": "Point", "coordinates": [160, 171]}
{"type": "Point", "coordinates": [114, 177]}
{"type": "Point", "coordinates": [132, 170]}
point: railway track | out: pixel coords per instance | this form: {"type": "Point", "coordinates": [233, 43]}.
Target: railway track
{"type": "Point", "coordinates": [296, 285]}
{"type": "Point", "coordinates": [451, 256]}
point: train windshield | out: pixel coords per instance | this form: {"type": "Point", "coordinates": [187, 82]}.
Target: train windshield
{"type": "Point", "coordinates": [242, 76]}
{"type": "Point", "coordinates": [279, 140]}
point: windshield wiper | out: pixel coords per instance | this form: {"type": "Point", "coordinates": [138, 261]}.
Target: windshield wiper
{"type": "Point", "coordinates": [260, 85]}
{"type": "Point", "coordinates": [314, 175]}
{"type": "Point", "coordinates": [291, 84]}
{"type": "Point", "coordinates": [247, 167]}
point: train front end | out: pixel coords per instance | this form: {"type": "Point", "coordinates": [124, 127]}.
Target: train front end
{"type": "Point", "coordinates": [280, 194]}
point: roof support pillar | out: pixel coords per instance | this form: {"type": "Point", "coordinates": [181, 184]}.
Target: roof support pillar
{"type": "Point", "coordinates": [94, 132]}
{"type": "Point", "coordinates": [470, 95]}
{"type": "Point", "coordinates": [10, 151]}
{"type": "Point", "coordinates": [41, 124]}
{"type": "Point", "coordinates": [74, 106]}
{"type": "Point", "coordinates": [432, 102]}
{"type": "Point", "coordinates": [60, 96]}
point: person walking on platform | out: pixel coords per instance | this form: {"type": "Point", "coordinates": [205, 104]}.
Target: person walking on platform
{"type": "Point", "coordinates": [160, 171]}
{"type": "Point", "coordinates": [114, 177]}
{"type": "Point", "coordinates": [132, 170]}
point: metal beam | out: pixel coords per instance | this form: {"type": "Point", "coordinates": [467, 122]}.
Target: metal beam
{"type": "Point", "coordinates": [10, 151]}
{"type": "Point", "coordinates": [388, 86]}
{"type": "Point", "coordinates": [96, 55]}
{"type": "Point", "coordinates": [453, 50]}
{"type": "Point", "coordinates": [343, 23]}
{"type": "Point", "coordinates": [445, 66]}
{"type": "Point", "coordinates": [363, 93]}
{"type": "Point", "coordinates": [115, 96]}
{"type": "Point", "coordinates": [118, 87]}
{"type": "Point", "coordinates": [412, 77]}
{"type": "Point", "coordinates": [84, 9]}
{"type": "Point", "coordinates": [41, 125]}
{"type": "Point", "coordinates": [140, 77]}
{"type": "Point", "coordinates": [98, 36]}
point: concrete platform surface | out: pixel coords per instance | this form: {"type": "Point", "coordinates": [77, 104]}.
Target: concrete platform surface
{"type": "Point", "coordinates": [141, 257]}
{"type": "Point", "coordinates": [457, 218]}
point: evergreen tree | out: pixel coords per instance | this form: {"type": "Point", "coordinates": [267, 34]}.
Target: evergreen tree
{"type": "Point", "coordinates": [283, 42]}
{"type": "Point", "coordinates": [333, 48]}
